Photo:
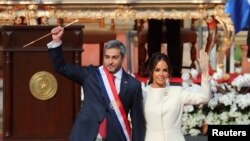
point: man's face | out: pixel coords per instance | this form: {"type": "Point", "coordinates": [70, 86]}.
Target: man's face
{"type": "Point", "coordinates": [112, 60]}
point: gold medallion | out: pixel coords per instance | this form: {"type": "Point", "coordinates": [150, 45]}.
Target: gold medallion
{"type": "Point", "coordinates": [43, 85]}
{"type": "Point", "coordinates": [114, 104]}
{"type": "Point", "coordinates": [165, 93]}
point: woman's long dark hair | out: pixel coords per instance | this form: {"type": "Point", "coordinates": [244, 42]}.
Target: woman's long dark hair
{"type": "Point", "coordinates": [156, 57]}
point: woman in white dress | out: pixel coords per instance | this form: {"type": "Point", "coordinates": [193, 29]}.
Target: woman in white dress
{"type": "Point", "coordinates": [164, 103]}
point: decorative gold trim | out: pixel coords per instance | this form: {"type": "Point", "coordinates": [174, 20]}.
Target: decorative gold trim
{"type": "Point", "coordinates": [117, 12]}
{"type": "Point", "coordinates": [196, 9]}
{"type": "Point", "coordinates": [228, 35]}
{"type": "Point", "coordinates": [106, 1]}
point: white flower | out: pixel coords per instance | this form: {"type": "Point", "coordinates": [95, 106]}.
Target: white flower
{"type": "Point", "coordinates": [242, 120]}
{"type": "Point", "coordinates": [225, 99]}
{"type": "Point", "coordinates": [213, 85]}
{"type": "Point", "coordinates": [194, 73]}
{"type": "Point", "coordinates": [218, 75]}
{"type": "Point", "coordinates": [234, 114]}
{"type": "Point", "coordinates": [213, 103]}
{"type": "Point", "coordinates": [247, 79]}
{"type": "Point", "coordinates": [186, 81]}
{"type": "Point", "coordinates": [224, 117]}
{"type": "Point", "coordinates": [184, 130]}
{"type": "Point", "coordinates": [233, 107]}
{"type": "Point", "coordinates": [227, 106]}
{"type": "Point", "coordinates": [238, 82]}
{"type": "Point", "coordinates": [220, 72]}
{"type": "Point", "coordinates": [241, 81]}
{"type": "Point", "coordinates": [212, 118]}
{"type": "Point", "coordinates": [185, 76]}
{"type": "Point", "coordinates": [194, 132]}
{"type": "Point", "coordinates": [188, 108]}
{"type": "Point", "coordinates": [243, 101]}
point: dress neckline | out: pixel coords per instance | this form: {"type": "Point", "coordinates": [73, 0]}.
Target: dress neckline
{"type": "Point", "coordinates": [160, 91]}
{"type": "Point", "coordinates": [159, 87]}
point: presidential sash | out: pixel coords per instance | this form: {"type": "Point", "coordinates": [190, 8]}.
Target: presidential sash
{"type": "Point", "coordinates": [112, 99]}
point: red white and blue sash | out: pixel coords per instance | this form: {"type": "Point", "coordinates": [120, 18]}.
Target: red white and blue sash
{"type": "Point", "coordinates": [112, 99]}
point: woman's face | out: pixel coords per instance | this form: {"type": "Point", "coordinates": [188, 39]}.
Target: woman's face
{"type": "Point", "coordinates": [160, 74]}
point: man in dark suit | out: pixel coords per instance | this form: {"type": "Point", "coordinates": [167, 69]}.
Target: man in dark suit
{"type": "Point", "coordinates": [107, 101]}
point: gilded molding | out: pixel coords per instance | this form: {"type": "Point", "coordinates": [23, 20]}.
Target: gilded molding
{"type": "Point", "coordinates": [198, 11]}
{"type": "Point", "coordinates": [228, 34]}
{"type": "Point", "coordinates": [130, 13]}
{"type": "Point", "coordinates": [203, 11]}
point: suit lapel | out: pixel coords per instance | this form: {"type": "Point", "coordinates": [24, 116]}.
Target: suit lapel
{"type": "Point", "coordinates": [124, 83]}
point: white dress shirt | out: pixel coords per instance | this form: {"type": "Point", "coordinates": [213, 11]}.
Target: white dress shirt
{"type": "Point", "coordinates": [118, 78]}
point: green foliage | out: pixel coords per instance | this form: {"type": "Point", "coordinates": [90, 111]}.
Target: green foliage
{"type": "Point", "coordinates": [238, 54]}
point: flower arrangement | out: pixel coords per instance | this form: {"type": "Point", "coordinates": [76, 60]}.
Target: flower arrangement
{"type": "Point", "coordinates": [229, 104]}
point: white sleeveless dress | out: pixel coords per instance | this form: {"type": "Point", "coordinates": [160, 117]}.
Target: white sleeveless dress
{"type": "Point", "coordinates": [163, 108]}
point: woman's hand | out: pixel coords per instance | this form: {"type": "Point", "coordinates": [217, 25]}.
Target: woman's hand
{"type": "Point", "coordinates": [204, 62]}
{"type": "Point", "coordinates": [57, 33]}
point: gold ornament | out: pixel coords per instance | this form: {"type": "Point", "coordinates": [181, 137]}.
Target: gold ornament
{"type": "Point", "coordinates": [43, 85]}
